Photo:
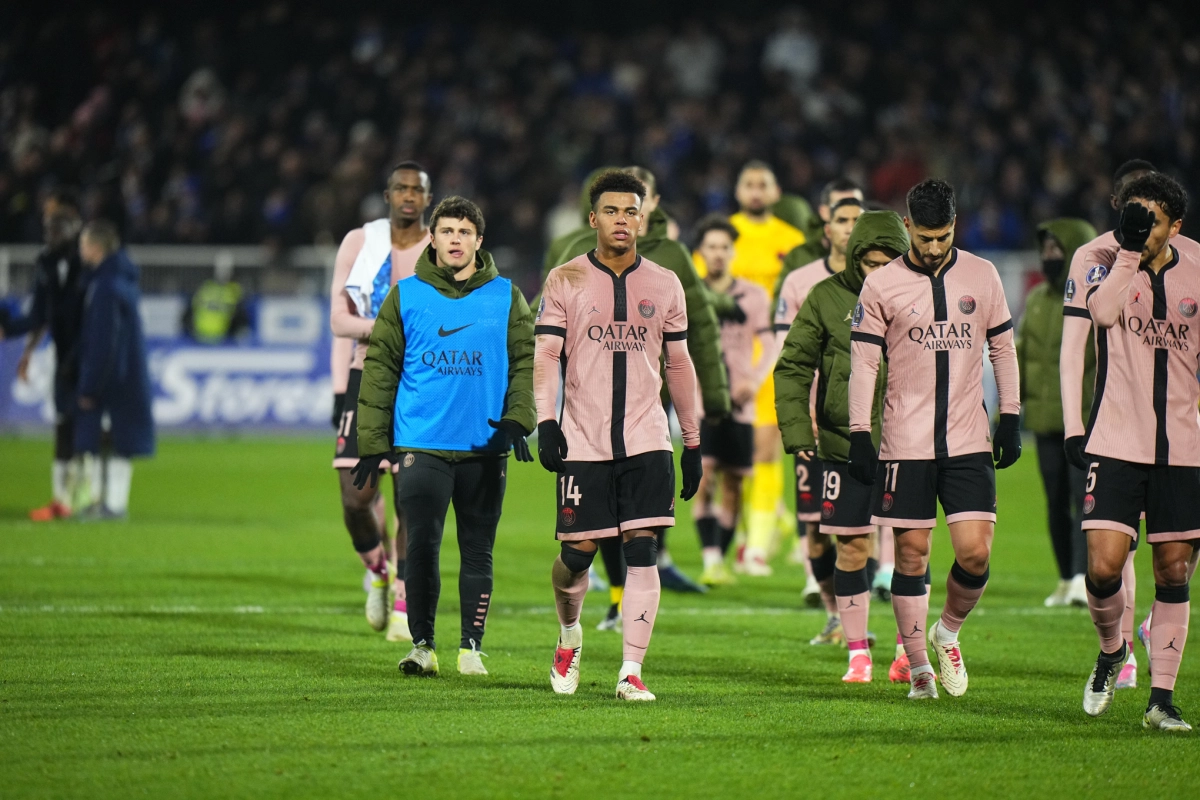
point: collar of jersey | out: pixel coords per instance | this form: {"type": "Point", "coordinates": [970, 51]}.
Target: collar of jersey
{"type": "Point", "coordinates": [1162, 272]}
{"type": "Point", "coordinates": [941, 276]}
{"type": "Point", "coordinates": [637, 262]}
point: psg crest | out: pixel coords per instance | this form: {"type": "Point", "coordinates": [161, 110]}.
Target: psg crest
{"type": "Point", "coordinates": [646, 309]}
{"type": "Point", "coordinates": [568, 517]}
{"type": "Point", "coordinates": [1187, 307]}
{"type": "Point", "coordinates": [966, 304]}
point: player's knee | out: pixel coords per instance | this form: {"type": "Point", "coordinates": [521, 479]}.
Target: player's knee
{"type": "Point", "coordinates": [974, 559]}
{"type": "Point", "coordinates": [641, 551]}
{"type": "Point", "coordinates": [576, 560]}
{"type": "Point", "coordinates": [1171, 573]}
{"type": "Point", "coordinates": [852, 553]}
{"type": "Point", "coordinates": [1104, 572]}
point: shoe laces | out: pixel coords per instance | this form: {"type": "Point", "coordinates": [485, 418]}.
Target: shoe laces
{"type": "Point", "coordinates": [1169, 710]}
{"type": "Point", "coordinates": [1104, 669]}
{"type": "Point", "coordinates": [475, 648]}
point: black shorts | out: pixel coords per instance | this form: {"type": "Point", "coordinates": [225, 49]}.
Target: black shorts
{"type": "Point", "coordinates": [809, 476]}
{"type": "Point", "coordinates": [845, 503]}
{"type": "Point", "coordinates": [598, 499]}
{"type": "Point", "coordinates": [345, 454]}
{"type": "Point", "coordinates": [731, 443]}
{"type": "Point", "coordinates": [1117, 492]}
{"type": "Point", "coordinates": [906, 493]}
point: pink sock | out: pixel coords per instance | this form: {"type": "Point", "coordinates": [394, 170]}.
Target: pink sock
{"type": "Point", "coordinates": [568, 599]}
{"type": "Point", "coordinates": [1106, 616]}
{"type": "Point", "coordinates": [960, 598]}
{"type": "Point", "coordinates": [1129, 582]}
{"type": "Point", "coordinates": [375, 560]}
{"type": "Point", "coordinates": [853, 610]}
{"type": "Point", "coordinates": [1168, 634]}
{"type": "Point", "coordinates": [400, 605]}
{"type": "Point", "coordinates": [828, 597]}
{"type": "Point", "coordinates": [912, 611]}
{"type": "Point", "coordinates": [638, 610]}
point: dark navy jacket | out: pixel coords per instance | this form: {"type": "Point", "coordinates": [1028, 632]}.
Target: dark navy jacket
{"type": "Point", "coordinates": [112, 362]}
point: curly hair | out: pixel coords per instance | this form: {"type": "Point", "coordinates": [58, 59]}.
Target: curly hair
{"type": "Point", "coordinates": [616, 180]}
{"type": "Point", "coordinates": [713, 222]}
{"type": "Point", "coordinates": [455, 207]}
{"type": "Point", "coordinates": [1159, 188]}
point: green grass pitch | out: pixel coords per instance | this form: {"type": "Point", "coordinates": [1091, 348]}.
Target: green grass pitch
{"type": "Point", "coordinates": [215, 646]}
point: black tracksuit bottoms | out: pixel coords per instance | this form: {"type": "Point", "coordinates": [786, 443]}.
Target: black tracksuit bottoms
{"type": "Point", "coordinates": [427, 486]}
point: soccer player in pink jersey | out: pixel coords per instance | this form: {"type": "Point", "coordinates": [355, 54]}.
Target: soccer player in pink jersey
{"type": "Point", "coordinates": [808, 469]}
{"type": "Point", "coordinates": [1142, 444]}
{"type": "Point", "coordinates": [1089, 266]}
{"type": "Point", "coordinates": [727, 444]}
{"type": "Point", "coordinates": [931, 312]}
{"type": "Point", "coordinates": [371, 260]}
{"type": "Point", "coordinates": [605, 321]}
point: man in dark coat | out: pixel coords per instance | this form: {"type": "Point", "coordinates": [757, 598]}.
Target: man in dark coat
{"type": "Point", "coordinates": [56, 307]}
{"type": "Point", "coordinates": [114, 381]}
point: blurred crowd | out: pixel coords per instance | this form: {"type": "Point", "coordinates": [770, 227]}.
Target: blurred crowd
{"type": "Point", "coordinates": [275, 122]}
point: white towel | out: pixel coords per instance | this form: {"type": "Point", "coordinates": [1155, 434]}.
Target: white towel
{"type": "Point", "coordinates": [371, 276]}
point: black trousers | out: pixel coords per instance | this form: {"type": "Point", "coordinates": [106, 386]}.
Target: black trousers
{"type": "Point", "coordinates": [1064, 485]}
{"type": "Point", "coordinates": [427, 487]}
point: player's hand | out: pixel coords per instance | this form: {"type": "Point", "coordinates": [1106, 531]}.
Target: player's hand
{"type": "Point", "coordinates": [339, 405]}
{"type": "Point", "coordinates": [863, 458]}
{"type": "Point", "coordinates": [1006, 441]}
{"type": "Point", "coordinates": [552, 446]}
{"type": "Point", "coordinates": [1136, 222]}
{"type": "Point", "coordinates": [738, 314]}
{"type": "Point", "coordinates": [1073, 447]}
{"type": "Point", "coordinates": [366, 469]}
{"type": "Point", "coordinates": [805, 455]}
{"type": "Point", "coordinates": [693, 470]}
{"type": "Point", "coordinates": [516, 435]}
{"type": "Point", "coordinates": [743, 393]}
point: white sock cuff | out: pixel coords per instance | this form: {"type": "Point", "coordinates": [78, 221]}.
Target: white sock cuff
{"type": "Point", "coordinates": [629, 668]}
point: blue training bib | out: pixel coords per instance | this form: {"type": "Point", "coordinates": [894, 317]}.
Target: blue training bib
{"type": "Point", "coordinates": [455, 373]}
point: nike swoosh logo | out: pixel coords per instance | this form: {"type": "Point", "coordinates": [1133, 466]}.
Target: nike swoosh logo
{"type": "Point", "coordinates": [443, 332]}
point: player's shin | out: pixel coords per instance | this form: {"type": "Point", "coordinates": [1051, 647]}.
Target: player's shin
{"type": "Point", "coordinates": [853, 604]}
{"type": "Point", "coordinates": [910, 603]}
{"type": "Point", "coordinates": [823, 572]}
{"type": "Point", "coordinates": [1129, 583]}
{"type": "Point", "coordinates": [569, 577]}
{"type": "Point", "coordinates": [1107, 605]}
{"type": "Point", "coordinates": [963, 591]}
{"type": "Point", "coordinates": [640, 605]}
{"type": "Point", "coordinates": [1168, 634]}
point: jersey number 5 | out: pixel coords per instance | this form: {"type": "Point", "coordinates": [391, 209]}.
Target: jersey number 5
{"type": "Point", "coordinates": [567, 490]}
{"type": "Point", "coordinates": [1091, 477]}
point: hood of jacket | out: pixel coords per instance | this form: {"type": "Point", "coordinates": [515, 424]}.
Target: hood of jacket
{"type": "Point", "coordinates": [798, 212]}
{"type": "Point", "coordinates": [443, 279]}
{"type": "Point", "coordinates": [1071, 234]}
{"type": "Point", "coordinates": [656, 226]}
{"type": "Point", "coordinates": [875, 230]}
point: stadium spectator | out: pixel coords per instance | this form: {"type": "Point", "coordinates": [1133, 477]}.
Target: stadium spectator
{"type": "Point", "coordinates": [114, 380]}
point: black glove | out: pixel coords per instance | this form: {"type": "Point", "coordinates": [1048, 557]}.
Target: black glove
{"type": "Point", "coordinates": [1134, 227]}
{"type": "Point", "coordinates": [366, 469]}
{"type": "Point", "coordinates": [552, 446]}
{"type": "Point", "coordinates": [516, 435]}
{"type": "Point", "coordinates": [693, 470]}
{"type": "Point", "coordinates": [1073, 447]}
{"type": "Point", "coordinates": [1006, 441]}
{"type": "Point", "coordinates": [863, 458]}
{"type": "Point", "coordinates": [339, 405]}
{"type": "Point", "coordinates": [738, 314]}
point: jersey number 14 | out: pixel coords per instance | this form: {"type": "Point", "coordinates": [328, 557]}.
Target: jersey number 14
{"type": "Point", "coordinates": [567, 490]}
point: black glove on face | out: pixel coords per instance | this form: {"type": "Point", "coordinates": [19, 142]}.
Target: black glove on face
{"type": "Point", "coordinates": [339, 405]}
{"type": "Point", "coordinates": [552, 446]}
{"type": "Point", "coordinates": [692, 468]}
{"type": "Point", "coordinates": [1136, 222]}
{"type": "Point", "coordinates": [1073, 447]}
{"type": "Point", "coordinates": [863, 458]}
{"type": "Point", "coordinates": [366, 469]}
{"type": "Point", "coordinates": [1006, 441]}
{"type": "Point", "coordinates": [516, 435]}
{"type": "Point", "coordinates": [738, 314]}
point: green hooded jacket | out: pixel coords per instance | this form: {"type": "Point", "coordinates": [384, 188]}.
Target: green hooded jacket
{"type": "Point", "coordinates": [559, 245]}
{"type": "Point", "coordinates": [819, 339]}
{"type": "Point", "coordinates": [1039, 336]}
{"type": "Point", "coordinates": [704, 332]}
{"type": "Point", "coordinates": [385, 355]}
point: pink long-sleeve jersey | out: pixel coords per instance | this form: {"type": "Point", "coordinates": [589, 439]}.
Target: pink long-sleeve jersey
{"type": "Point", "coordinates": [605, 335]}
{"type": "Point", "coordinates": [1146, 359]}
{"type": "Point", "coordinates": [932, 330]}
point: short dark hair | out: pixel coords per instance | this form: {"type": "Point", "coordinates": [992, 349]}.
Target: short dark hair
{"type": "Point", "coordinates": [713, 222]}
{"type": "Point", "coordinates": [846, 201]}
{"type": "Point", "coordinates": [1132, 165]}
{"type": "Point", "coordinates": [103, 233]}
{"type": "Point", "coordinates": [931, 203]}
{"type": "Point", "coordinates": [455, 207]}
{"type": "Point", "coordinates": [409, 165]}
{"type": "Point", "coordinates": [1159, 188]}
{"type": "Point", "coordinates": [645, 176]}
{"type": "Point", "coordinates": [838, 185]}
{"type": "Point", "coordinates": [616, 180]}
